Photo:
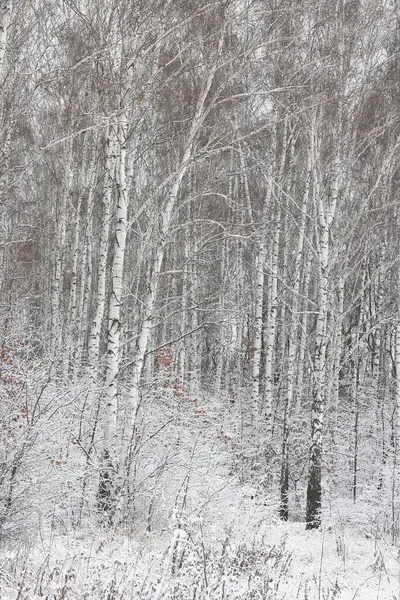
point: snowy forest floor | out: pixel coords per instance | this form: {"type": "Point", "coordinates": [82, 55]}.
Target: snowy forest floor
{"type": "Point", "coordinates": [280, 561]}
{"type": "Point", "coordinates": [201, 526]}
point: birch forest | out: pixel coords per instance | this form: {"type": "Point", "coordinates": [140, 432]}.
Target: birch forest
{"type": "Point", "coordinates": [200, 299]}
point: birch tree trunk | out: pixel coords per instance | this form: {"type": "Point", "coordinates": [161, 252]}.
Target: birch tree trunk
{"type": "Point", "coordinates": [223, 361]}
{"type": "Point", "coordinates": [183, 356]}
{"type": "Point", "coordinates": [258, 330]}
{"type": "Point", "coordinates": [86, 272]}
{"type": "Point", "coordinates": [325, 214]}
{"type": "Point", "coordinates": [4, 25]}
{"type": "Point", "coordinates": [333, 390]}
{"type": "Point", "coordinates": [261, 257]}
{"type": "Point", "coordinates": [240, 209]}
{"type": "Point", "coordinates": [109, 181]}
{"type": "Point", "coordinates": [355, 384]}
{"type": "Point", "coordinates": [71, 325]}
{"type": "Point", "coordinates": [397, 423]}
{"type": "Point", "coordinates": [291, 365]}
{"type": "Point", "coordinates": [59, 251]}
{"type": "Point", "coordinates": [303, 334]}
{"type": "Point", "coordinates": [272, 300]}
{"type": "Point", "coordinates": [109, 466]}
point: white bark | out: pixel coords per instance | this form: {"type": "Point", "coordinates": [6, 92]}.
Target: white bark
{"type": "Point", "coordinates": [183, 358]}
{"type": "Point", "coordinates": [194, 340]}
{"type": "Point", "coordinates": [240, 277]}
{"type": "Point", "coordinates": [247, 208]}
{"type": "Point", "coordinates": [86, 271]}
{"type": "Point", "coordinates": [397, 427]}
{"type": "Point", "coordinates": [5, 17]}
{"type": "Point", "coordinates": [114, 309]}
{"type": "Point", "coordinates": [333, 379]}
{"type": "Point", "coordinates": [224, 351]}
{"type": "Point", "coordinates": [292, 347]}
{"type": "Point", "coordinates": [71, 325]}
{"type": "Point", "coordinates": [258, 330]}
{"type": "Point", "coordinates": [303, 336]}
{"type": "Point", "coordinates": [325, 213]}
{"type": "Point", "coordinates": [109, 181]}
{"type": "Point", "coordinates": [297, 269]}
{"type": "Point", "coordinates": [258, 303]}
{"type": "Point", "coordinates": [272, 300]}
{"type": "Point", "coordinates": [6, 153]}
{"type": "Point", "coordinates": [58, 260]}
{"type": "Point", "coordinates": [284, 184]}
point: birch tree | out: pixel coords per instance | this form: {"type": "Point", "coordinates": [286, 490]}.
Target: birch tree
{"type": "Point", "coordinates": [325, 210]}
{"type": "Point", "coordinates": [110, 449]}
{"type": "Point", "coordinates": [292, 345]}
{"type": "Point", "coordinates": [4, 25]}
{"type": "Point", "coordinates": [100, 299]}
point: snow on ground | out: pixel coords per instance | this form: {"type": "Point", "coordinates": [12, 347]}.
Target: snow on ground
{"type": "Point", "coordinates": [279, 562]}
{"type": "Point", "coordinates": [201, 529]}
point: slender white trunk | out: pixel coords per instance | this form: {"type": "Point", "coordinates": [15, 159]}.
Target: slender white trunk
{"type": "Point", "coordinates": [272, 299]}
{"type": "Point", "coordinates": [357, 364]}
{"type": "Point", "coordinates": [5, 8]}
{"type": "Point", "coordinates": [376, 317]}
{"type": "Point", "coordinates": [292, 347]}
{"type": "Point", "coordinates": [86, 271]}
{"type": "Point", "coordinates": [258, 309]}
{"type": "Point", "coordinates": [71, 325]}
{"type": "Point", "coordinates": [284, 183]}
{"type": "Point", "coordinates": [258, 330]}
{"type": "Point", "coordinates": [295, 297]}
{"type": "Point", "coordinates": [59, 251]}
{"type": "Point", "coordinates": [397, 426]}
{"type": "Point", "coordinates": [326, 214]}
{"type": "Point", "coordinates": [223, 350]}
{"type": "Point", "coordinates": [108, 472]}
{"type": "Point", "coordinates": [6, 154]}
{"type": "Point", "coordinates": [397, 359]}
{"type": "Point", "coordinates": [195, 348]}
{"type": "Point", "coordinates": [109, 181]}
{"type": "Point", "coordinates": [239, 214]}
{"type": "Point", "coordinates": [282, 310]}
{"type": "Point", "coordinates": [183, 369]}
{"type": "Point", "coordinates": [55, 299]}
{"type": "Point", "coordinates": [247, 209]}
{"type": "Point", "coordinates": [303, 335]}
{"type": "Point", "coordinates": [84, 296]}
{"type": "Point", "coordinates": [333, 378]}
